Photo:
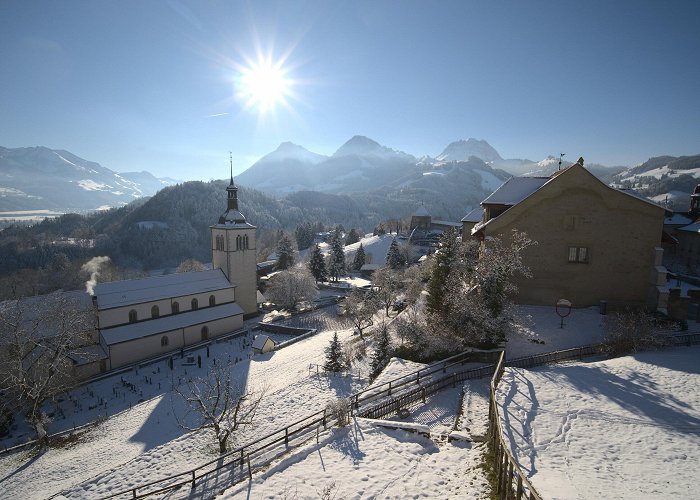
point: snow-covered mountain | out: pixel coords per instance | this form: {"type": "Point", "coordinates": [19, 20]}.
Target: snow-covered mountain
{"type": "Point", "coordinates": [40, 178]}
{"type": "Point", "coordinates": [665, 179]}
{"type": "Point", "coordinates": [461, 150]}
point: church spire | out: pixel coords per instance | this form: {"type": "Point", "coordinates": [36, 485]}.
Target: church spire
{"type": "Point", "coordinates": [232, 215]}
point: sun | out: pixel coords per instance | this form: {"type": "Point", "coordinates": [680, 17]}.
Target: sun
{"type": "Point", "coordinates": [263, 85]}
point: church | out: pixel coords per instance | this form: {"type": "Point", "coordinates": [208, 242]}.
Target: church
{"type": "Point", "coordinates": [144, 318]}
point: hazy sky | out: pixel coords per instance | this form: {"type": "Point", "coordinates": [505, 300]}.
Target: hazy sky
{"type": "Point", "coordinates": [150, 85]}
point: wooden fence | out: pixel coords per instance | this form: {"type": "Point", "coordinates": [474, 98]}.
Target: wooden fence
{"type": "Point", "coordinates": [239, 464]}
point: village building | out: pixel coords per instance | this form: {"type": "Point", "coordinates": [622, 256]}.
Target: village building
{"type": "Point", "coordinates": [595, 244]}
{"type": "Point", "coordinates": [144, 318]}
{"type": "Point", "coordinates": [262, 344]}
{"type": "Point", "coordinates": [426, 231]}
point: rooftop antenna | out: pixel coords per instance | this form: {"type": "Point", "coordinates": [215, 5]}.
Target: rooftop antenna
{"type": "Point", "coordinates": [561, 155]}
{"type": "Point", "coordinates": [230, 159]}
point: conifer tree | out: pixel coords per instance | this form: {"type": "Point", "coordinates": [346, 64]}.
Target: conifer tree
{"type": "Point", "coordinates": [285, 254]}
{"type": "Point", "coordinates": [352, 237]}
{"type": "Point", "coordinates": [359, 260]}
{"type": "Point", "coordinates": [394, 258]}
{"type": "Point", "coordinates": [317, 265]}
{"type": "Point", "coordinates": [382, 351]}
{"type": "Point", "coordinates": [334, 355]}
{"type": "Point", "coordinates": [444, 260]}
{"type": "Point", "coordinates": [337, 258]}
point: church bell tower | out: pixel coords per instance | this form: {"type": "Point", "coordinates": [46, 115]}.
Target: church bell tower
{"type": "Point", "coordinates": [233, 250]}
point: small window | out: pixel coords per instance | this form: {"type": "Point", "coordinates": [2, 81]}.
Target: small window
{"type": "Point", "coordinates": [219, 242]}
{"type": "Point", "coordinates": [195, 304]}
{"type": "Point", "coordinates": [155, 312]}
{"type": "Point", "coordinates": [578, 254]}
{"type": "Point", "coordinates": [163, 341]}
{"type": "Point", "coordinates": [205, 333]}
{"type": "Point", "coordinates": [212, 300]}
{"type": "Point", "coordinates": [176, 307]}
{"type": "Point", "coordinates": [133, 317]}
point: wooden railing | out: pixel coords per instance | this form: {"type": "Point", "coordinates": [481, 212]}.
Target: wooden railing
{"type": "Point", "coordinates": [510, 479]}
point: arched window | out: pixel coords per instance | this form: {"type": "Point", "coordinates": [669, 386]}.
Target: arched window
{"type": "Point", "coordinates": [195, 304]}
{"type": "Point", "coordinates": [155, 312]}
{"type": "Point", "coordinates": [245, 241]}
{"type": "Point", "coordinates": [219, 242]}
{"type": "Point", "coordinates": [163, 341]}
{"type": "Point", "coordinates": [239, 242]}
{"type": "Point", "coordinates": [212, 300]}
{"type": "Point", "coordinates": [133, 317]}
{"type": "Point", "coordinates": [176, 307]}
{"type": "Point", "coordinates": [205, 333]}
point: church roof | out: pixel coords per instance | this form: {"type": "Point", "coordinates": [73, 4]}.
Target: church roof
{"type": "Point", "coordinates": [137, 291]}
{"type": "Point", "coordinates": [421, 212]}
{"type": "Point", "coordinates": [142, 329]}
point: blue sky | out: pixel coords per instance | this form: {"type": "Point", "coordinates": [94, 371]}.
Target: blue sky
{"type": "Point", "coordinates": [135, 85]}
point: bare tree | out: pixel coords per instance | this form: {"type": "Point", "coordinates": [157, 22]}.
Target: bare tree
{"type": "Point", "coordinates": [217, 403]}
{"type": "Point", "coordinates": [40, 340]}
{"type": "Point", "coordinates": [388, 283]}
{"type": "Point", "coordinates": [630, 331]}
{"type": "Point", "coordinates": [360, 309]}
{"type": "Point", "coordinates": [189, 266]}
{"type": "Point", "coordinates": [289, 288]}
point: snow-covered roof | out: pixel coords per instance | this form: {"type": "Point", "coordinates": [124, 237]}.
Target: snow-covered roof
{"type": "Point", "coordinates": [233, 225]}
{"type": "Point", "coordinates": [421, 212]}
{"type": "Point", "coordinates": [515, 190]}
{"type": "Point", "coordinates": [127, 292]}
{"type": "Point", "coordinates": [447, 223]}
{"type": "Point", "coordinates": [692, 228]}
{"type": "Point", "coordinates": [164, 324]}
{"type": "Point", "coordinates": [87, 354]}
{"type": "Point", "coordinates": [678, 219]}
{"type": "Point", "coordinates": [476, 215]}
{"type": "Point", "coordinates": [260, 341]}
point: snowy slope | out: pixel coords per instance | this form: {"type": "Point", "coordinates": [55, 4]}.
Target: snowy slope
{"type": "Point", "coordinates": [622, 428]}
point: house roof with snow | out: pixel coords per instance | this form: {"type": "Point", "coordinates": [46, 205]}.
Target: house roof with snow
{"type": "Point", "coordinates": [128, 292]}
{"type": "Point", "coordinates": [515, 190]}
{"type": "Point", "coordinates": [260, 341]}
{"type": "Point", "coordinates": [475, 215]}
{"type": "Point", "coordinates": [421, 212]}
{"type": "Point", "coordinates": [446, 223]}
{"type": "Point", "coordinates": [678, 219]}
{"type": "Point", "coordinates": [146, 328]}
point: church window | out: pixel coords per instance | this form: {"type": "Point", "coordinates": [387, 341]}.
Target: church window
{"type": "Point", "coordinates": [245, 242]}
{"type": "Point", "coordinates": [133, 317]}
{"type": "Point", "coordinates": [219, 241]}
{"type": "Point", "coordinates": [163, 341]}
{"type": "Point", "coordinates": [205, 333]}
{"type": "Point", "coordinates": [578, 254]}
{"type": "Point", "coordinates": [195, 304]}
{"type": "Point", "coordinates": [176, 307]}
{"type": "Point", "coordinates": [212, 300]}
{"type": "Point", "coordinates": [155, 312]}
{"type": "Point", "coordinates": [239, 242]}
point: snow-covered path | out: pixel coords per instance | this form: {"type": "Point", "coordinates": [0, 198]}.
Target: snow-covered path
{"type": "Point", "coordinates": [621, 428]}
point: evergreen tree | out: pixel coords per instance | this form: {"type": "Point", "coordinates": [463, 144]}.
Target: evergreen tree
{"type": "Point", "coordinates": [317, 265]}
{"type": "Point", "coordinates": [394, 258]}
{"type": "Point", "coordinates": [285, 254]}
{"type": "Point", "coordinates": [382, 351]}
{"type": "Point", "coordinates": [337, 258]}
{"type": "Point", "coordinates": [352, 237]}
{"type": "Point", "coordinates": [359, 259]}
{"type": "Point", "coordinates": [334, 355]}
{"type": "Point", "coordinates": [444, 261]}
{"type": "Point", "coordinates": [304, 235]}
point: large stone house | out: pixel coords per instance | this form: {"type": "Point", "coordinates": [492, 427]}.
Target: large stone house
{"type": "Point", "coordinates": [595, 243]}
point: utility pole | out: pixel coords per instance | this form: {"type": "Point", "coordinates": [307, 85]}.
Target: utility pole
{"type": "Point", "coordinates": [561, 155]}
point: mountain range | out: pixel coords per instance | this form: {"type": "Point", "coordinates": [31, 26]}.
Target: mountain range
{"type": "Point", "coordinates": [39, 178]}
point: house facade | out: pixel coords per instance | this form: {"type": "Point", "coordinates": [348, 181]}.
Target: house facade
{"type": "Point", "coordinates": [594, 242]}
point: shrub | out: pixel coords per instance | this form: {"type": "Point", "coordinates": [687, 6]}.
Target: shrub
{"type": "Point", "coordinates": [631, 331]}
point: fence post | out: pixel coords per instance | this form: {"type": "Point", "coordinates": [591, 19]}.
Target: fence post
{"type": "Point", "coordinates": [324, 418]}
{"type": "Point", "coordinates": [250, 474]}
{"type": "Point", "coordinates": [241, 458]}
{"type": "Point", "coordinates": [389, 393]}
{"type": "Point", "coordinates": [423, 394]}
{"type": "Point", "coordinates": [357, 401]}
{"type": "Point", "coordinates": [286, 436]}
{"type": "Point", "coordinates": [193, 478]}
{"type": "Point", "coordinates": [134, 492]}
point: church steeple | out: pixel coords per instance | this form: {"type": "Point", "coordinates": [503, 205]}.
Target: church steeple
{"type": "Point", "coordinates": [232, 215]}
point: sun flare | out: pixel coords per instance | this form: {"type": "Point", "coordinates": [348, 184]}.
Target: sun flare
{"type": "Point", "coordinates": [263, 85]}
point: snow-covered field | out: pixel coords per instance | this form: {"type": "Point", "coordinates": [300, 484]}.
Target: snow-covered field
{"type": "Point", "coordinates": [622, 428]}
{"type": "Point", "coordinates": [538, 329]}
